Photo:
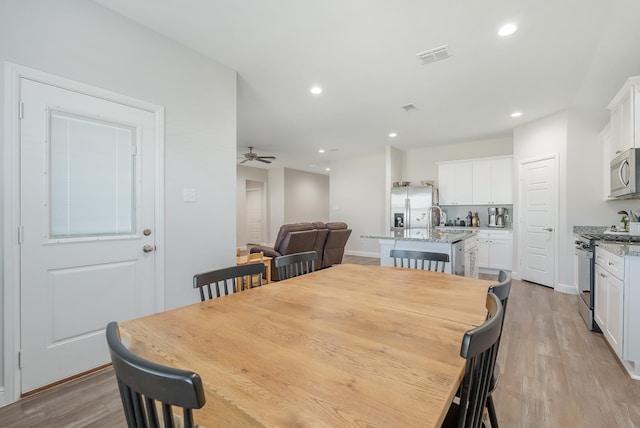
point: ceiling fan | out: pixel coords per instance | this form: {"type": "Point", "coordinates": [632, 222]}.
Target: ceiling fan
{"type": "Point", "coordinates": [250, 156]}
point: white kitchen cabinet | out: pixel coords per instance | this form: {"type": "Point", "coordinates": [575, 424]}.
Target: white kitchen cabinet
{"type": "Point", "coordinates": [617, 297]}
{"type": "Point", "coordinates": [613, 330]}
{"type": "Point", "coordinates": [495, 249]}
{"type": "Point", "coordinates": [485, 181]}
{"type": "Point", "coordinates": [600, 298]}
{"type": "Point", "coordinates": [454, 183]}
{"type": "Point", "coordinates": [471, 257]}
{"type": "Point", "coordinates": [608, 298]}
{"type": "Point", "coordinates": [625, 117]}
{"type": "Point", "coordinates": [492, 181]}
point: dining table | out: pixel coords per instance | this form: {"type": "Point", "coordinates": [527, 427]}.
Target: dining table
{"type": "Point", "coordinates": [350, 345]}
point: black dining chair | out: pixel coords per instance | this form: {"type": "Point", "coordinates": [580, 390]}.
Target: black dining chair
{"type": "Point", "coordinates": [296, 264]}
{"type": "Point", "coordinates": [419, 259]}
{"type": "Point", "coordinates": [147, 388]}
{"type": "Point", "coordinates": [231, 280]}
{"type": "Point", "coordinates": [479, 348]}
{"type": "Point", "coordinates": [501, 290]}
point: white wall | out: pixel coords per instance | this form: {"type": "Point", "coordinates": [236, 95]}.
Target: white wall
{"type": "Point", "coordinates": [393, 173]}
{"type": "Point", "coordinates": [357, 197]}
{"type": "Point", "coordinates": [574, 136]}
{"type": "Point", "coordinates": [276, 202]}
{"type": "Point", "coordinates": [306, 196]}
{"type": "Point", "coordinates": [244, 174]}
{"type": "Point", "coordinates": [547, 136]}
{"type": "Point", "coordinates": [82, 41]}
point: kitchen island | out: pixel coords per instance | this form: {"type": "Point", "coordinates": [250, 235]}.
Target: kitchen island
{"type": "Point", "coordinates": [461, 246]}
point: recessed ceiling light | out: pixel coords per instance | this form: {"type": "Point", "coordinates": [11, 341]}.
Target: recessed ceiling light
{"type": "Point", "coordinates": [316, 90]}
{"type": "Point", "coordinates": [393, 135]}
{"type": "Point", "coordinates": [507, 30]}
{"type": "Point", "coordinates": [516, 114]}
{"type": "Point", "coordinates": [320, 150]}
{"type": "Point", "coordinates": [327, 169]}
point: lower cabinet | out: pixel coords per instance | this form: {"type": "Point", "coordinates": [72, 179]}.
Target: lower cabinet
{"type": "Point", "coordinates": [617, 299]}
{"type": "Point", "coordinates": [608, 307]}
{"type": "Point", "coordinates": [494, 249]}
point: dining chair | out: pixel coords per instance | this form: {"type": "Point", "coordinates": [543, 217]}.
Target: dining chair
{"type": "Point", "coordinates": [296, 264]}
{"type": "Point", "coordinates": [231, 279]}
{"type": "Point", "coordinates": [479, 347]}
{"type": "Point", "coordinates": [417, 259]}
{"type": "Point", "coordinates": [501, 290]}
{"type": "Point", "coordinates": [147, 388]}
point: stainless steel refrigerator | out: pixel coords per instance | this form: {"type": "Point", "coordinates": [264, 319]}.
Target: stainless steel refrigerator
{"type": "Point", "coordinates": [410, 207]}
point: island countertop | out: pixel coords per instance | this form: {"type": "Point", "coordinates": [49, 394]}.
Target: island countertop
{"type": "Point", "coordinates": [423, 235]}
{"type": "Point", "coordinates": [621, 249]}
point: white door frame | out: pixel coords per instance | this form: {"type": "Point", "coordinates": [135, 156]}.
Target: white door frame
{"type": "Point", "coordinates": [521, 213]}
{"type": "Point", "coordinates": [10, 391]}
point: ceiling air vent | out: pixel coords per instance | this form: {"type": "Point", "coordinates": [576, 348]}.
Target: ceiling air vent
{"type": "Point", "coordinates": [409, 108]}
{"type": "Point", "coordinates": [433, 55]}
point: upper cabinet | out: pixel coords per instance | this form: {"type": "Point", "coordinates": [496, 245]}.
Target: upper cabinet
{"type": "Point", "coordinates": [454, 183]}
{"type": "Point", "coordinates": [486, 181]}
{"type": "Point", "coordinates": [492, 181]}
{"type": "Point", "coordinates": [625, 118]}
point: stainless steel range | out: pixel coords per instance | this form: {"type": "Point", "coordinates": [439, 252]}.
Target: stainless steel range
{"type": "Point", "coordinates": [585, 248]}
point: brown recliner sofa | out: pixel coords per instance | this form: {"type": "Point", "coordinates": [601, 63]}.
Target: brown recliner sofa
{"type": "Point", "coordinates": [335, 243]}
{"type": "Point", "coordinates": [328, 240]}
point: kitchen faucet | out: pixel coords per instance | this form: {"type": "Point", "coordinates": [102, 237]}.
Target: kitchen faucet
{"type": "Point", "coordinates": [430, 225]}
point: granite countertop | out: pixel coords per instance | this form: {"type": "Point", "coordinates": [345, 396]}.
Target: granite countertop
{"type": "Point", "coordinates": [466, 228]}
{"type": "Point", "coordinates": [620, 249]}
{"type": "Point", "coordinates": [422, 235]}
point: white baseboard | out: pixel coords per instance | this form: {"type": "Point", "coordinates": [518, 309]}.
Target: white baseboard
{"type": "Point", "coordinates": [362, 254]}
{"type": "Point", "coordinates": [566, 289]}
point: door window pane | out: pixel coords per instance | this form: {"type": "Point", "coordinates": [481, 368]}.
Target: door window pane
{"type": "Point", "coordinates": [92, 177]}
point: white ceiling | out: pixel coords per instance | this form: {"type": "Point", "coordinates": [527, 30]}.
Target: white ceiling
{"type": "Point", "coordinates": [566, 53]}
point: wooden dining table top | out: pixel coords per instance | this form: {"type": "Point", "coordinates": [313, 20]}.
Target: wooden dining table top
{"type": "Point", "coordinates": [351, 345]}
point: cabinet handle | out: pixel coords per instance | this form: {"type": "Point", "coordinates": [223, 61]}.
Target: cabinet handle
{"type": "Point", "coordinates": [603, 275]}
{"type": "Point", "coordinates": [611, 263]}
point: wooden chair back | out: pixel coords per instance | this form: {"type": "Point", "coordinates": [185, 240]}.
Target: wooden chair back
{"type": "Point", "coordinates": [479, 348]}
{"type": "Point", "coordinates": [231, 280]}
{"type": "Point", "coordinates": [296, 264]}
{"type": "Point", "coordinates": [419, 260]}
{"type": "Point", "coordinates": [150, 391]}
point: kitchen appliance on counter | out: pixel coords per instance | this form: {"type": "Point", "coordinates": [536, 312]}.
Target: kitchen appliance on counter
{"type": "Point", "coordinates": [625, 175]}
{"type": "Point", "coordinates": [412, 206]}
{"type": "Point", "coordinates": [498, 216]}
{"type": "Point", "coordinates": [502, 214]}
{"type": "Point", "coordinates": [584, 250]}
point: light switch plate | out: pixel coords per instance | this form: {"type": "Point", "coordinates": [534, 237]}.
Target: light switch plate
{"type": "Point", "coordinates": [189, 195]}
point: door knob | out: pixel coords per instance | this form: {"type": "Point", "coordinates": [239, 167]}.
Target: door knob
{"type": "Point", "coordinates": [148, 248]}
{"type": "Point", "coordinates": [549, 229]}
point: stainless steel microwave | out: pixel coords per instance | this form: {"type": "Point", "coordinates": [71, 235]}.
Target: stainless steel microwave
{"type": "Point", "coordinates": [625, 175]}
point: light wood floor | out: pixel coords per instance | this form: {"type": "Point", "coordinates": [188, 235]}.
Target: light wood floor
{"type": "Point", "coordinates": [556, 373]}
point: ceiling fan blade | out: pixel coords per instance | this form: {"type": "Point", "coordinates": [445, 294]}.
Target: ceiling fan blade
{"type": "Point", "coordinates": [243, 161]}
{"type": "Point", "coordinates": [266, 157]}
{"type": "Point", "coordinates": [262, 160]}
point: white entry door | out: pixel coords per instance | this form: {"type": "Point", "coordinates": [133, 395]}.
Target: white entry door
{"type": "Point", "coordinates": [87, 177]}
{"type": "Point", "coordinates": [254, 215]}
{"type": "Point", "coordinates": [539, 220]}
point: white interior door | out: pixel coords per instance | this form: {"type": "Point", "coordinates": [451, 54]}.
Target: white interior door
{"type": "Point", "coordinates": [539, 220]}
{"type": "Point", "coordinates": [254, 215]}
{"type": "Point", "coordinates": [87, 177]}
